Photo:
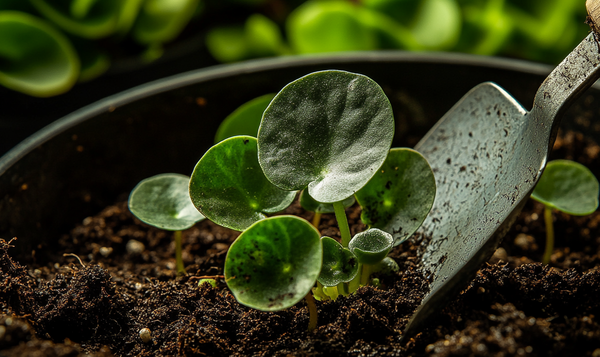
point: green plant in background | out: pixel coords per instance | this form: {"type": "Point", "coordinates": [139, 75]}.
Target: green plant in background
{"type": "Point", "coordinates": [46, 46]}
{"type": "Point", "coordinates": [329, 134]}
{"type": "Point", "coordinates": [35, 58]}
{"type": "Point", "coordinates": [99, 30]}
{"type": "Point", "coordinates": [537, 30]}
{"type": "Point", "coordinates": [569, 187]}
{"type": "Point", "coordinates": [163, 201]}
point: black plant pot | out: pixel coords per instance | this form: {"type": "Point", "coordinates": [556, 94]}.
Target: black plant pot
{"type": "Point", "coordinates": [77, 165]}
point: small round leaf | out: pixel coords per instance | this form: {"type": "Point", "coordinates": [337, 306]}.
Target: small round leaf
{"type": "Point", "coordinates": [371, 246]}
{"type": "Point", "coordinates": [339, 264]}
{"type": "Point", "coordinates": [568, 187]}
{"type": "Point", "coordinates": [163, 201]}
{"type": "Point", "coordinates": [245, 120]}
{"type": "Point", "coordinates": [229, 188]}
{"type": "Point", "coordinates": [329, 131]}
{"type": "Point", "coordinates": [309, 203]}
{"type": "Point", "coordinates": [274, 263]}
{"type": "Point", "coordinates": [387, 266]}
{"type": "Point", "coordinates": [400, 195]}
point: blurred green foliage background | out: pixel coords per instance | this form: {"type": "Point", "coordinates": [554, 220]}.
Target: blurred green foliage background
{"type": "Point", "coordinates": [46, 46]}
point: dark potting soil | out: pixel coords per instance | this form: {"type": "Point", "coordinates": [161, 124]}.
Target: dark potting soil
{"type": "Point", "coordinates": [126, 282]}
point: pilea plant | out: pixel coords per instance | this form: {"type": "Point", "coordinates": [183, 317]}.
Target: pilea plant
{"type": "Point", "coordinates": [163, 201]}
{"type": "Point", "coordinates": [329, 134]}
{"type": "Point", "coordinates": [569, 187]}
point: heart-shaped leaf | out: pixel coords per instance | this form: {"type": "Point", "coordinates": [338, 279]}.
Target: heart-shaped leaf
{"type": "Point", "coordinates": [371, 246]}
{"type": "Point", "coordinates": [309, 203]}
{"type": "Point", "coordinates": [163, 201]}
{"type": "Point", "coordinates": [35, 58]}
{"type": "Point", "coordinates": [245, 120]}
{"type": "Point", "coordinates": [339, 264]}
{"type": "Point", "coordinates": [400, 195]}
{"type": "Point", "coordinates": [274, 263]}
{"type": "Point", "coordinates": [329, 131]}
{"type": "Point", "coordinates": [229, 188]}
{"type": "Point", "coordinates": [569, 187]}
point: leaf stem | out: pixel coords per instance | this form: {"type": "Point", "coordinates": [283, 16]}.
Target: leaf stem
{"type": "Point", "coordinates": [340, 216]}
{"type": "Point", "coordinates": [549, 235]}
{"type": "Point", "coordinates": [354, 284]}
{"type": "Point", "coordinates": [178, 257]}
{"type": "Point", "coordinates": [365, 274]}
{"type": "Point", "coordinates": [312, 312]}
{"type": "Point", "coordinates": [316, 220]}
{"type": "Point", "coordinates": [343, 289]}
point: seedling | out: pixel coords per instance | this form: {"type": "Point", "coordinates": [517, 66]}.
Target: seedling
{"type": "Point", "coordinates": [163, 201]}
{"type": "Point", "coordinates": [568, 187]}
{"type": "Point", "coordinates": [329, 134]}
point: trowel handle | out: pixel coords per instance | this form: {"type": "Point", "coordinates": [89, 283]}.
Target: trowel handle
{"type": "Point", "coordinates": [575, 74]}
{"type": "Point", "coordinates": [593, 10]}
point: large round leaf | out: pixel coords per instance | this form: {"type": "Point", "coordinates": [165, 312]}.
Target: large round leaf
{"type": "Point", "coordinates": [274, 263]}
{"type": "Point", "coordinates": [329, 130]}
{"type": "Point", "coordinates": [229, 187]}
{"type": "Point", "coordinates": [245, 120]}
{"type": "Point", "coordinates": [400, 195]}
{"type": "Point", "coordinates": [339, 264]}
{"type": "Point", "coordinates": [35, 58]}
{"type": "Point", "coordinates": [163, 201]}
{"type": "Point", "coordinates": [569, 187]}
{"type": "Point", "coordinates": [371, 246]}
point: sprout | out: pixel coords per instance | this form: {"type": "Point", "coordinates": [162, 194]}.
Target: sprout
{"type": "Point", "coordinates": [568, 187]}
{"type": "Point", "coordinates": [163, 201]}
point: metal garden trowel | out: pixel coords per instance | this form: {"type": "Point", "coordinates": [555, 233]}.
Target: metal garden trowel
{"type": "Point", "coordinates": [487, 154]}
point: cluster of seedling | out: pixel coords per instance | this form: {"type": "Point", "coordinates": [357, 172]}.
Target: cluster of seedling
{"type": "Point", "coordinates": [327, 135]}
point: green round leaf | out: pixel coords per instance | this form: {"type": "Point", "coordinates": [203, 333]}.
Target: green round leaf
{"type": "Point", "coordinates": [35, 58]}
{"type": "Point", "coordinates": [309, 203]}
{"type": "Point", "coordinates": [227, 43]}
{"type": "Point", "coordinates": [329, 130]}
{"type": "Point", "coordinates": [437, 25]}
{"type": "Point", "coordinates": [568, 187]}
{"type": "Point", "coordinates": [229, 187]}
{"type": "Point", "coordinates": [163, 201]}
{"type": "Point", "coordinates": [371, 246]}
{"type": "Point", "coordinates": [400, 195]}
{"type": "Point", "coordinates": [263, 36]}
{"type": "Point", "coordinates": [329, 26]}
{"type": "Point", "coordinates": [245, 120]}
{"type": "Point", "coordinates": [274, 263]}
{"type": "Point", "coordinates": [339, 264]}
{"type": "Point", "coordinates": [160, 21]}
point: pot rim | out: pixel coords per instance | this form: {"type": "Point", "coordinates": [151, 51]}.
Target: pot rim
{"type": "Point", "coordinates": [227, 70]}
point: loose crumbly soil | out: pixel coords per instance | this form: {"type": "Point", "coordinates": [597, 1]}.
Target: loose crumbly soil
{"type": "Point", "coordinates": [126, 281]}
